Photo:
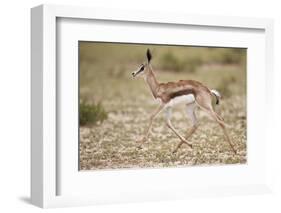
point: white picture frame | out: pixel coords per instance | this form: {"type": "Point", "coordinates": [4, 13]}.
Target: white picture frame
{"type": "Point", "coordinates": [45, 168]}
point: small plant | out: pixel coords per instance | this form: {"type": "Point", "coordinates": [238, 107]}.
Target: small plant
{"type": "Point", "coordinates": [90, 114]}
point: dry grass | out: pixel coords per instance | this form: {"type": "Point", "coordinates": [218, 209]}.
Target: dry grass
{"type": "Point", "coordinates": [112, 144]}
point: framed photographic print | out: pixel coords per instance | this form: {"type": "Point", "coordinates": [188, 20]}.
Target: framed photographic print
{"type": "Point", "coordinates": [130, 106]}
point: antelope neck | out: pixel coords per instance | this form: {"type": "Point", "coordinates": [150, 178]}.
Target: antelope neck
{"type": "Point", "coordinates": [152, 82]}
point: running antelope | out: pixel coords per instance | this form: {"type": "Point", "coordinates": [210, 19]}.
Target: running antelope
{"type": "Point", "coordinates": [192, 93]}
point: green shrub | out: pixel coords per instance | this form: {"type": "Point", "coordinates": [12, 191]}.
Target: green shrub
{"type": "Point", "coordinates": [225, 84]}
{"type": "Point", "coordinates": [229, 56]}
{"type": "Point", "coordinates": [191, 64]}
{"type": "Point", "coordinates": [91, 113]}
{"type": "Point", "coordinates": [224, 90]}
{"type": "Point", "coordinates": [173, 63]}
{"type": "Point", "coordinates": [170, 62]}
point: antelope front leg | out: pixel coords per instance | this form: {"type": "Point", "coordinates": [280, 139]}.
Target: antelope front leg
{"type": "Point", "coordinates": [152, 117]}
{"type": "Point", "coordinates": [169, 124]}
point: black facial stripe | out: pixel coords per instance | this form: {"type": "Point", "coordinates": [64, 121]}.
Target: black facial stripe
{"type": "Point", "coordinates": [140, 70]}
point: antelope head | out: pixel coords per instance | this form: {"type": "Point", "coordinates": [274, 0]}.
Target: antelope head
{"type": "Point", "coordinates": [143, 68]}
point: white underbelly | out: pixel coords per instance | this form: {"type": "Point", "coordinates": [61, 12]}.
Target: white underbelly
{"type": "Point", "coordinates": [183, 99]}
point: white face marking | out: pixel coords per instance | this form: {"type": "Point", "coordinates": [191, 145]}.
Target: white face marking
{"type": "Point", "coordinates": [185, 99]}
{"type": "Point", "coordinates": [139, 71]}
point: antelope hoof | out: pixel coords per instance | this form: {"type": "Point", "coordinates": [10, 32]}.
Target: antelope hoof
{"type": "Point", "coordinates": [141, 141]}
{"type": "Point", "coordinates": [188, 144]}
{"type": "Point", "coordinates": [139, 147]}
{"type": "Point", "coordinates": [174, 151]}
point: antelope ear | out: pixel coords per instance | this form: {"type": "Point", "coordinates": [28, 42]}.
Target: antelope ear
{"type": "Point", "coordinates": [148, 55]}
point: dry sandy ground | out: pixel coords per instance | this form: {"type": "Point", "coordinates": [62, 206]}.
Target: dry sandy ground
{"type": "Point", "coordinates": [112, 144]}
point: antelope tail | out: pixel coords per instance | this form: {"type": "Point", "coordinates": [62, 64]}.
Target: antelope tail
{"type": "Point", "coordinates": [217, 95]}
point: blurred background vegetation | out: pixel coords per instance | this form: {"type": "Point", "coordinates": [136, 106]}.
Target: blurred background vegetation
{"type": "Point", "coordinates": [105, 73]}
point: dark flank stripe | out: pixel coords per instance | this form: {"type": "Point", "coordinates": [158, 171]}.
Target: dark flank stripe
{"type": "Point", "coordinates": [181, 92]}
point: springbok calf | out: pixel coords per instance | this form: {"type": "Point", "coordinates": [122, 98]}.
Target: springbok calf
{"type": "Point", "coordinates": [193, 93]}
